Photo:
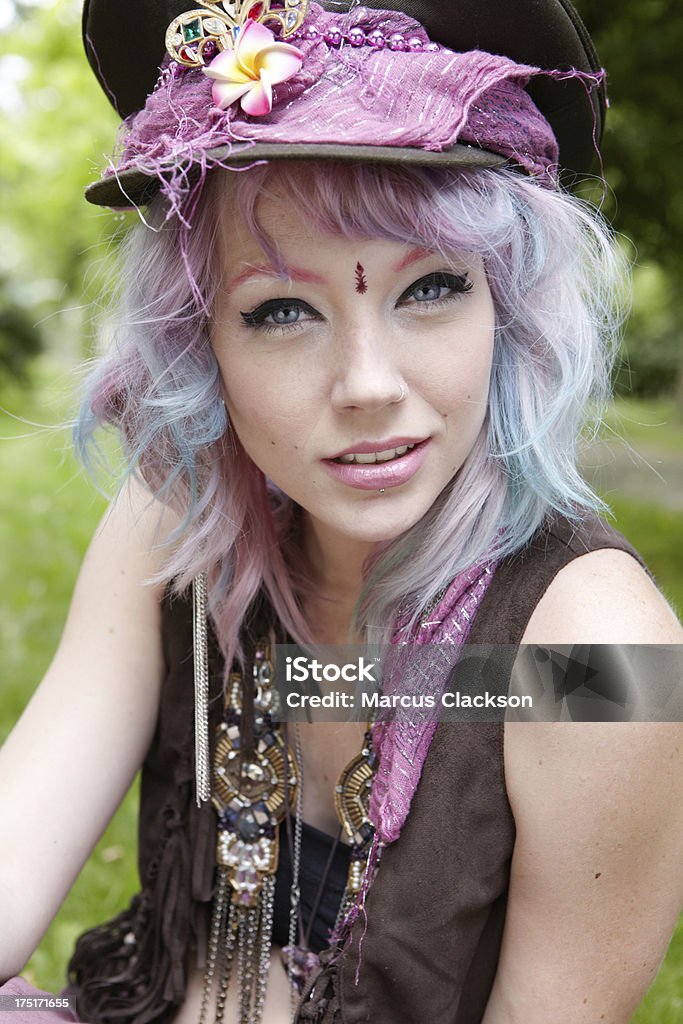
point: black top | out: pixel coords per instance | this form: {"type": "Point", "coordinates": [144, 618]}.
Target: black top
{"type": "Point", "coordinates": [316, 850]}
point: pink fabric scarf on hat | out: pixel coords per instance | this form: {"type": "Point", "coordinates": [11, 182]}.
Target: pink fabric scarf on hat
{"type": "Point", "coordinates": [363, 96]}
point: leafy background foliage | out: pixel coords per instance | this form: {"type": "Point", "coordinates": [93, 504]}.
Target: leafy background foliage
{"type": "Point", "coordinates": [640, 43]}
{"type": "Point", "coordinates": [57, 129]}
{"type": "Point", "coordinates": [56, 266]}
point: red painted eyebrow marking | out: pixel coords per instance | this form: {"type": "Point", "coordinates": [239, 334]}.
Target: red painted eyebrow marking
{"type": "Point", "coordinates": [294, 273]}
{"type": "Point", "coordinates": [361, 279]}
{"type": "Point", "coordinates": [412, 257]}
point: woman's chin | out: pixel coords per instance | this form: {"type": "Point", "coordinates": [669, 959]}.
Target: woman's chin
{"type": "Point", "coordinates": [376, 523]}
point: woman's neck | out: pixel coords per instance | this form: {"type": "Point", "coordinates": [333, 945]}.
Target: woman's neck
{"type": "Point", "coordinates": [336, 565]}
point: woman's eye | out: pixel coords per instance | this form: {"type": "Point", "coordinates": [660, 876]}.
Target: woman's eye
{"type": "Point", "coordinates": [436, 287]}
{"type": "Point", "coordinates": [285, 315]}
{"type": "Point", "coordinates": [279, 313]}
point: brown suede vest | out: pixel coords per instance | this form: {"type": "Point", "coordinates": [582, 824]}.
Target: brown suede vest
{"type": "Point", "coordinates": [436, 909]}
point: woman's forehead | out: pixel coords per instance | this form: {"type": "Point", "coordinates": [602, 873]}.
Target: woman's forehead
{"type": "Point", "coordinates": [278, 226]}
{"type": "Point", "coordinates": [319, 259]}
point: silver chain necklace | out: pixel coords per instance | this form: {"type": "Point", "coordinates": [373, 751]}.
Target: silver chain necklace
{"type": "Point", "coordinates": [295, 891]}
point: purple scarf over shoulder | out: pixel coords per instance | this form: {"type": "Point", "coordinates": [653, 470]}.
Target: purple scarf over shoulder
{"type": "Point", "coordinates": [402, 744]}
{"type": "Point", "coordinates": [402, 741]}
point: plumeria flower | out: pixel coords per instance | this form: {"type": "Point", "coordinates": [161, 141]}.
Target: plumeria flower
{"type": "Point", "coordinates": [249, 71]}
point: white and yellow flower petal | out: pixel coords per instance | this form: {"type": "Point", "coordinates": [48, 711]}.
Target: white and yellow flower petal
{"type": "Point", "coordinates": [226, 93]}
{"type": "Point", "coordinates": [252, 39]}
{"type": "Point", "coordinates": [259, 100]}
{"type": "Point", "coordinates": [227, 68]}
{"type": "Point", "coordinates": [249, 72]}
{"type": "Point", "coordinates": [281, 61]}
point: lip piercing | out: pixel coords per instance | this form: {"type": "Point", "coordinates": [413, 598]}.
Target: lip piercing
{"type": "Point", "coordinates": [381, 490]}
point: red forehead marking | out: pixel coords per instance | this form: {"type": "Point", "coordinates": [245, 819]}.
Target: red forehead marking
{"type": "Point", "coordinates": [361, 280]}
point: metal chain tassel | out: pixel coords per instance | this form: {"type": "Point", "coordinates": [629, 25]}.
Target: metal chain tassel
{"type": "Point", "coordinates": [201, 690]}
{"type": "Point", "coordinates": [293, 962]}
{"type": "Point", "coordinates": [251, 795]}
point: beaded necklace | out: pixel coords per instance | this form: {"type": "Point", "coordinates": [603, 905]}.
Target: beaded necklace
{"type": "Point", "coordinates": [252, 797]}
{"type": "Point", "coordinates": [253, 794]}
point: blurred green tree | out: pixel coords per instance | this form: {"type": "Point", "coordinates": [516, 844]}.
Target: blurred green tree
{"type": "Point", "coordinates": [19, 337]}
{"type": "Point", "coordinates": [641, 44]}
{"type": "Point", "coordinates": [56, 124]}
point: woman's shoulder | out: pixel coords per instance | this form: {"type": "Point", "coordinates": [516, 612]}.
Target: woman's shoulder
{"type": "Point", "coordinates": [592, 796]}
{"type": "Point", "coordinates": [601, 593]}
{"type": "Point", "coordinates": [112, 632]}
{"type": "Point", "coordinates": [561, 538]}
{"type": "Point", "coordinates": [140, 526]}
{"type": "Point", "coordinates": [576, 581]}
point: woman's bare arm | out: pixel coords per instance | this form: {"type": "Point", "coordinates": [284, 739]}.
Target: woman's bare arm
{"type": "Point", "coordinates": [75, 751]}
{"type": "Point", "coordinates": [595, 884]}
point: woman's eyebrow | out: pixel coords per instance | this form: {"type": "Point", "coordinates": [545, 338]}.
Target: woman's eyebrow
{"type": "Point", "coordinates": [308, 276]}
{"type": "Point", "coordinates": [293, 274]}
{"type": "Point", "coordinates": [412, 257]}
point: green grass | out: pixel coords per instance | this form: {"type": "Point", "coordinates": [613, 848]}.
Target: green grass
{"type": "Point", "coordinates": [654, 425]}
{"type": "Point", "coordinates": [664, 1002]}
{"type": "Point", "coordinates": [658, 535]}
{"type": "Point", "coordinates": [48, 511]}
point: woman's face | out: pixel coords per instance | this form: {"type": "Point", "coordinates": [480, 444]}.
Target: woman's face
{"type": "Point", "coordinates": [360, 384]}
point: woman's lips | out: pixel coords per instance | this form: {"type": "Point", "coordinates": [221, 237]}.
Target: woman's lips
{"type": "Point", "coordinates": [380, 475]}
{"type": "Point", "coordinates": [368, 447]}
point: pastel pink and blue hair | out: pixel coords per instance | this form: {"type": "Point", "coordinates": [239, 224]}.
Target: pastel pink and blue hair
{"type": "Point", "coordinates": [554, 274]}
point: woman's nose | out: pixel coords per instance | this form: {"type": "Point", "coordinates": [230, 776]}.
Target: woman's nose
{"type": "Point", "coordinates": [366, 374]}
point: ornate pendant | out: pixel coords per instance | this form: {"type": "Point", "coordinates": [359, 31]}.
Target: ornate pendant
{"type": "Point", "coordinates": [251, 797]}
{"type": "Point", "coordinates": [196, 36]}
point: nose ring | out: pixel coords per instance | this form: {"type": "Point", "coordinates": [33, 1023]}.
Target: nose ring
{"type": "Point", "coordinates": [403, 394]}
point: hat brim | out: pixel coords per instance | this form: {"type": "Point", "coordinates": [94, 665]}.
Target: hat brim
{"type": "Point", "coordinates": [135, 188]}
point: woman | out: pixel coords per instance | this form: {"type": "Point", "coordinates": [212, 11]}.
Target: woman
{"type": "Point", "coordinates": [350, 395]}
